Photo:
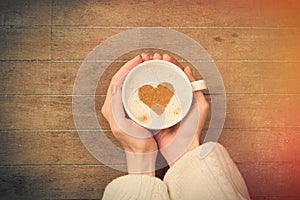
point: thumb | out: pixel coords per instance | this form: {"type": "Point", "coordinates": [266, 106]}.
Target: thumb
{"type": "Point", "coordinates": [127, 126]}
{"type": "Point", "coordinates": [117, 105]}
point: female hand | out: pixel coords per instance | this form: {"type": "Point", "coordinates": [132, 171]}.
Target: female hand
{"type": "Point", "coordinates": [139, 145]}
{"type": "Point", "coordinates": [174, 142]}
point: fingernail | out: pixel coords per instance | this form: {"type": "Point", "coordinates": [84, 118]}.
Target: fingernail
{"type": "Point", "coordinates": [166, 56]}
{"type": "Point", "coordinates": [188, 69]}
{"type": "Point", "coordinates": [114, 90]}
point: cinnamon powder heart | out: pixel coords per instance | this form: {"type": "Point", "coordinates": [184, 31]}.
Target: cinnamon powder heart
{"type": "Point", "coordinates": [156, 98]}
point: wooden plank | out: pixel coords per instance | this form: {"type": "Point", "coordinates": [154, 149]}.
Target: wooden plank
{"type": "Point", "coordinates": [32, 148]}
{"type": "Point", "coordinates": [238, 77]}
{"type": "Point", "coordinates": [294, 77]}
{"type": "Point", "coordinates": [221, 44]}
{"type": "Point", "coordinates": [25, 13]}
{"type": "Point", "coordinates": [261, 111]}
{"type": "Point", "coordinates": [35, 112]}
{"type": "Point", "coordinates": [293, 116]}
{"type": "Point", "coordinates": [276, 145]}
{"type": "Point", "coordinates": [47, 147]}
{"type": "Point", "coordinates": [267, 78]}
{"type": "Point", "coordinates": [55, 112]}
{"type": "Point", "coordinates": [262, 145]}
{"type": "Point", "coordinates": [25, 44]}
{"type": "Point", "coordinates": [264, 78]}
{"type": "Point", "coordinates": [245, 111]}
{"type": "Point", "coordinates": [76, 43]}
{"type": "Point", "coordinates": [178, 13]}
{"type": "Point", "coordinates": [272, 179]}
{"type": "Point", "coordinates": [62, 77]}
{"type": "Point", "coordinates": [248, 44]}
{"type": "Point", "coordinates": [55, 182]}
{"type": "Point", "coordinates": [24, 78]}
{"type": "Point", "coordinates": [59, 77]}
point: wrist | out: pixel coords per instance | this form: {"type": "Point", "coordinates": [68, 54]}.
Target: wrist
{"type": "Point", "coordinates": [195, 144]}
{"type": "Point", "coordinates": [174, 152]}
{"type": "Point", "coordinates": [141, 163]}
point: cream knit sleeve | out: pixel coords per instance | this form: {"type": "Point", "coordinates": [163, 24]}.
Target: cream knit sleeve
{"type": "Point", "coordinates": [136, 187]}
{"type": "Point", "coordinates": [214, 177]}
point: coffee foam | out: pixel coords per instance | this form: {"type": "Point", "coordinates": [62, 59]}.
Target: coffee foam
{"type": "Point", "coordinates": [146, 116]}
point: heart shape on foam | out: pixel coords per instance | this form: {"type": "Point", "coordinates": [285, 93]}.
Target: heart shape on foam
{"type": "Point", "coordinates": [156, 98]}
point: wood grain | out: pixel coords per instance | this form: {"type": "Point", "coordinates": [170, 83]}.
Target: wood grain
{"type": "Point", "coordinates": [188, 13]}
{"type": "Point", "coordinates": [62, 147]}
{"type": "Point", "coordinates": [36, 112]}
{"type": "Point", "coordinates": [238, 77]}
{"type": "Point", "coordinates": [25, 13]}
{"type": "Point", "coordinates": [261, 145]}
{"type": "Point", "coordinates": [221, 44]}
{"type": "Point", "coordinates": [25, 44]}
{"type": "Point", "coordinates": [261, 180]}
{"type": "Point", "coordinates": [55, 112]}
{"type": "Point", "coordinates": [89, 181]}
{"type": "Point", "coordinates": [275, 145]}
{"type": "Point", "coordinates": [58, 78]}
{"type": "Point", "coordinates": [24, 78]}
{"type": "Point", "coordinates": [55, 182]}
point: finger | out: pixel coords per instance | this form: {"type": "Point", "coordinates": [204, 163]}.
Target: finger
{"type": "Point", "coordinates": [198, 94]}
{"type": "Point", "coordinates": [200, 103]}
{"type": "Point", "coordinates": [145, 57]}
{"type": "Point", "coordinates": [169, 58]}
{"type": "Point", "coordinates": [157, 56]}
{"type": "Point", "coordinates": [123, 71]}
{"type": "Point", "coordinates": [189, 73]}
{"type": "Point", "coordinates": [191, 120]}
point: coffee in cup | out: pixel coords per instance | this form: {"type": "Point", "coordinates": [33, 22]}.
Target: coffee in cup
{"type": "Point", "coordinates": [157, 94]}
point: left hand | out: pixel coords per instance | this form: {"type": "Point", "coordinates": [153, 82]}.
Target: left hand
{"type": "Point", "coordinates": [139, 145]}
{"type": "Point", "coordinates": [175, 141]}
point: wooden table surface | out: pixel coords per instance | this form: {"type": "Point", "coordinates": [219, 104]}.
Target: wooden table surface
{"type": "Point", "coordinates": [256, 47]}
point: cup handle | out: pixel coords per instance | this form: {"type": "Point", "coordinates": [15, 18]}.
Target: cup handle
{"type": "Point", "coordinates": [198, 85]}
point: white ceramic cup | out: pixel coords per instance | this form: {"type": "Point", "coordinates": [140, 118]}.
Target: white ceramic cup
{"type": "Point", "coordinates": [155, 72]}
